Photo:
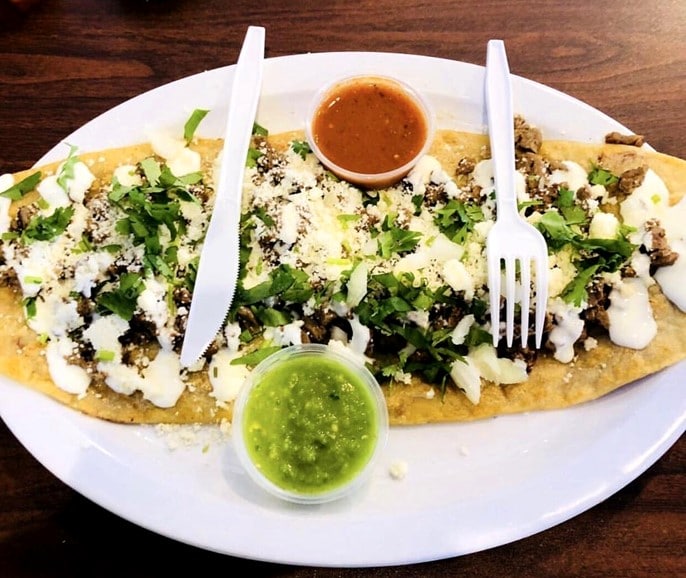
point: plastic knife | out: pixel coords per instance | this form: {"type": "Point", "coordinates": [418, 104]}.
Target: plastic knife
{"type": "Point", "coordinates": [217, 275]}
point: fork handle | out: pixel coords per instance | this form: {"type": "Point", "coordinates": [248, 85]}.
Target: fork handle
{"type": "Point", "coordinates": [501, 127]}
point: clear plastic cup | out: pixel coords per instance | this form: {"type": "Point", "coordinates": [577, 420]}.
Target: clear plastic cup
{"type": "Point", "coordinates": [287, 361]}
{"type": "Point", "coordinates": [371, 180]}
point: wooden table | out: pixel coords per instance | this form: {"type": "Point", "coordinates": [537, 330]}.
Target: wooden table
{"type": "Point", "coordinates": [65, 61]}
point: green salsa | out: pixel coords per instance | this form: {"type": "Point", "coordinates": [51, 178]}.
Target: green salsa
{"type": "Point", "coordinates": [310, 424]}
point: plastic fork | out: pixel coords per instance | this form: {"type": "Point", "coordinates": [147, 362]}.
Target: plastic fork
{"type": "Point", "coordinates": [512, 239]}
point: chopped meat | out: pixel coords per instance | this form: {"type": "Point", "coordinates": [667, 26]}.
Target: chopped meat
{"type": "Point", "coordinates": [24, 216]}
{"type": "Point", "coordinates": [531, 164]}
{"type": "Point", "coordinates": [465, 166]}
{"type": "Point", "coordinates": [381, 344]}
{"type": "Point", "coordinates": [435, 194]}
{"type": "Point", "coordinates": [598, 303]}
{"type": "Point", "coordinates": [660, 253]}
{"type": "Point", "coordinates": [635, 140]}
{"type": "Point", "coordinates": [247, 319]}
{"type": "Point", "coordinates": [317, 328]}
{"type": "Point", "coordinates": [527, 137]}
{"type": "Point", "coordinates": [140, 332]}
{"type": "Point", "coordinates": [618, 163]}
{"type": "Point", "coordinates": [182, 297]}
{"type": "Point", "coordinates": [631, 179]}
{"type": "Point", "coordinates": [447, 316]}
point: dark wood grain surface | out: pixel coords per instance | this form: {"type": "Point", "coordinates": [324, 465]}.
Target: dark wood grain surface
{"type": "Point", "coordinates": [64, 62]}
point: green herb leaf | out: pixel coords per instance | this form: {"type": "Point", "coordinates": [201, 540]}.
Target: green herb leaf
{"type": "Point", "coordinates": [29, 304]}
{"type": "Point", "coordinates": [46, 228]}
{"type": "Point", "coordinates": [253, 155]}
{"type": "Point", "coordinates": [600, 176]}
{"type": "Point", "coordinates": [457, 219]}
{"type": "Point", "coordinates": [271, 317]}
{"type": "Point", "coordinates": [575, 291]}
{"type": "Point", "coordinates": [192, 123]}
{"type": "Point", "coordinates": [301, 147]}
{"type": "Point", "coordinates": [122, 300]}
{"type": "Point", "coordinates": [152, 171]}
{"type": "Point", "coordinates": [396, 240]}
{"type": "Point", "coordinates": [67, 172]}
{"type": "Point", "coordinates": [259, 130]}
{"type": "Point", "coordinates": [18, 190]}
{"type": "Point", "coordinates": [256, 356]}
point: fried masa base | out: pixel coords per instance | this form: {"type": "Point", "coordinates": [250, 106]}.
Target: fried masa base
{"type": "Point", "coordinates": [551, 385]}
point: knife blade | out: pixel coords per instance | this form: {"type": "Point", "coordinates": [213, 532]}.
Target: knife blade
{"type": "Point", "coordinates": [217, 275]}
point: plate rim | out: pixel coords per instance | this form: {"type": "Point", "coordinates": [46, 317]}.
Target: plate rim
{"type": "Point", "coordinates": [678, 426]}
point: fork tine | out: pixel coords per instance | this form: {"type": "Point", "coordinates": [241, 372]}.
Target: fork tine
{"type": "Point", "coordinates": [494, 296]}
{"type": "Point", "coordinates": [541, 297]}
{"type": "Point", "coordinates": [525, 278]}
{"type": "Point", "coordinates": [510, 291]}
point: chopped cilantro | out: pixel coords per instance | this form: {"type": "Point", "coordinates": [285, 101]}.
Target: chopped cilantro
{"type": "Point", "coordinates": [290, 284]}
{"type": "Point", "coordinates": [600, 176]}
{"type": "Point", "coordinates": [457, 219]}
{"type": "Point", "coordinates": [301, 147]}
{"type": "Point", "coordinates": [395, 240]}
{"type": "Point", "coordinates": [67, 172]}
{"type": "Point", "coordinates": [262, 215]}
{"type": "Point", "coordinates": [253, 155]}
{"type": "Point", "coordinates": [192, 123]}
{"type": "Point", "coordinates": [259, 130]}
{"type": "Point", "coordinates": [18, 190]}
{"type": "Point", "coordinates": [29, 304]}
{"type": "Point", "coordinates": [255, 357]}
{"type": "Point", "coordinates": [46, 228]}
{"type": "Point", "coordinates": [122, 300]}
{"type": "Point", "coordinates": [575, 291]}
{"type": "Point", "coordinates": [152, 171]}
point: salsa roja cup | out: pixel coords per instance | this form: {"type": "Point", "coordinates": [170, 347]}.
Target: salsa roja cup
{"type": "Point", "coordinates": [369, 130]}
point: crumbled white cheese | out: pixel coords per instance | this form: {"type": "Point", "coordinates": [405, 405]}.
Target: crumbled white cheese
{"type": "Point", "coordinates": [232, 334]}
{"type": "Point", "coordinates": [152, 302]}
{"type": "Point", "coordinates": [603, 226]}
{"type": "Point", "coordinates": [398, 469]}
{"type": "Point", "coordinates": [54, 315]}
{"type": "Point", "coordinates": [89, 269]}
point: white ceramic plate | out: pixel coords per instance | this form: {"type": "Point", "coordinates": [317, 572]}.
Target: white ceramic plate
{"type": "Point", "coordinates": [468, 486]}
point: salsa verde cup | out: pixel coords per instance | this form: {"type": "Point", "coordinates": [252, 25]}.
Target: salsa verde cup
{"type": "Point", "coordinates": [368, 129]}
{"type": "Point", "coordinates": [309, 424]}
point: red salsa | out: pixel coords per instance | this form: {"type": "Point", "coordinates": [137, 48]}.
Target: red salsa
{"type": "Point", "coordinates": [369, 125]}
